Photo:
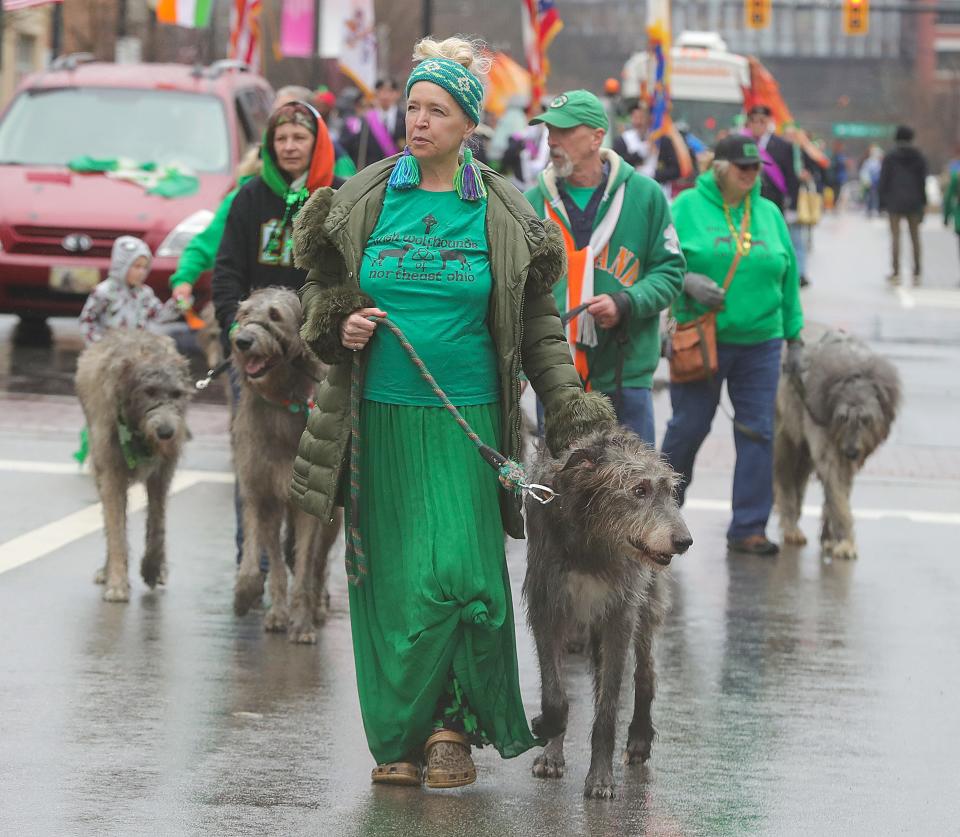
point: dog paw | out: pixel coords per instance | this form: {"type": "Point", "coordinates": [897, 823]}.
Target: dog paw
{"type": "Point", "coordinates": [100, 576]}
{"type": "Point", "coordinates": [845, 549]}
{"type": "Point", "coordinates": [794, 536]}
{"type": "Point", "coordinates": [300, 629]}
{"type": "Point", "coordinates": [548, 767]}
{"type": "Point", "coordinates": [117, 593]}
{"type": "Point", "coordinates": [599, 785]}
{"type": "Point", "coordinates": [637, 751]}
{"type": "Point", "coordinates": [547, 726]}
{"type": "Point", "coordinates": [276, 620]}
{"type": "Point", "coordinates": [153, 572]}
{"type": "Point", "coordinates": [247, 590]}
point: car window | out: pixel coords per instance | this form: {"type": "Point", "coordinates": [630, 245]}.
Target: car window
{"type": "Point", "coordinates": [166, 127]}
{"type": "Point", "coordinates": [254, 112]}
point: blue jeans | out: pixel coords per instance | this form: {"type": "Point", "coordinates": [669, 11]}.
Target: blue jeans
{"type": "Point", "coordinates": [751, 373]}
{"type": "Point", "coordinates": [636, 413]}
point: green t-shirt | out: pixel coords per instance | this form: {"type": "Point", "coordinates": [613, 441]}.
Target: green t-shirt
{"type": "Point", "coordinates": [427, 265]}
{"type": "Point", "coordinates": [581, 194]}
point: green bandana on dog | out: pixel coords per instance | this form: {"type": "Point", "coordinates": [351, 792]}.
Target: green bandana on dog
{"type": "Point", "coordinates": [456, 79]}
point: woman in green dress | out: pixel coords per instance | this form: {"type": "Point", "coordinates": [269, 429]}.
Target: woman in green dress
{"type": "Point", "coordinates": [454, 255]}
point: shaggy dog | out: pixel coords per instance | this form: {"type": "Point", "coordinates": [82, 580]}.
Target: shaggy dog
{"type": "Point", "coordinates": [134, 389]}
{"type": "Point", "coordinates": [830, 418]}
{"type": "Point", "coordinates": [277, 375]}
{"type": "Point", "coordinates": [595, 561]}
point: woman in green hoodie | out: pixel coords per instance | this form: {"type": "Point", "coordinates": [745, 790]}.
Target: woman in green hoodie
{"type": "Point", "coordinates": [722, 216]}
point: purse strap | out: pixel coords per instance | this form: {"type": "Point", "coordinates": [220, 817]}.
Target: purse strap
{"type": "Point", "coordinates": [732, 270]}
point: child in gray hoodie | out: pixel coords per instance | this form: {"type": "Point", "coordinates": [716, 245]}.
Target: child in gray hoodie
{"type": "Point", "coordinates": [122, 300]}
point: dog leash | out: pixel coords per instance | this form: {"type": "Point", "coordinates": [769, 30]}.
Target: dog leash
{"type": "Point", "coordinates": [511, 474]}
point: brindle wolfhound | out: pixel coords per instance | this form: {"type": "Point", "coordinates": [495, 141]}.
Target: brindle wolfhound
{"type": "Point", "coordinates": [595, 561]}
{"type": "Point", "coordinates": [134, 389]}
{"type": "Point", "coordinates": [277, 375]}
{"type": "Point", "coordinates": [830, 418]}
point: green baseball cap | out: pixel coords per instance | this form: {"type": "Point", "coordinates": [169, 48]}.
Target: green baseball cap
{"type": "Point", "coordinates": [575, 107]}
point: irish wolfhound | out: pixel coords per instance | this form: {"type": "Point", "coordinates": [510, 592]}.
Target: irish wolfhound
{"type": "Point", "coordinates": [134, 389]}
{"type": "Point", "coordinates": [595, 557]}
{"type": "Point", "coordinates": [277, 375]}
{"type": "Point", "coordinates": [830, 418]}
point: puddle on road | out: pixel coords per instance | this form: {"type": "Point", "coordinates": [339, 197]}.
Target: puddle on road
{"type": "Point", "coordinates": [49, 369]}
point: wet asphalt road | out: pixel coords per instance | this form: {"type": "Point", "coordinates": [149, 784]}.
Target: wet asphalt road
{"type": "Point", "coordinates": [796, 695]}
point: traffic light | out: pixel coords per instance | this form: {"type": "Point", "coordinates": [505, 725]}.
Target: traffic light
{"type": "Point", "coordinates": [856, 17]}
{"type": "Point", "coordinates": [757, 13]}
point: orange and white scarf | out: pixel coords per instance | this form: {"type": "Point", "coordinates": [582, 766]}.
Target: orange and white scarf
{"type": "Point", "coordinates": [582, 329]}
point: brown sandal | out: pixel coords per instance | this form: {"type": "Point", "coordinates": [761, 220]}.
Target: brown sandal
{"type": "Point", "coordinates": [447, 756]}
{"type": "Point", "coordinates": [397, 773]}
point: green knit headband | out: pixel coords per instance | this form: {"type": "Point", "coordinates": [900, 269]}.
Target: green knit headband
{"type": "Point", "coordinates": [456, 79]}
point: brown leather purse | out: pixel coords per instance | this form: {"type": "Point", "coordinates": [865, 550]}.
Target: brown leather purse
{"type": "Point", "coordinates": [693, 355]}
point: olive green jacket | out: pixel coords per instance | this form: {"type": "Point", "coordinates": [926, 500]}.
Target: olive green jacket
{"type": "Point", "coordinates": [526, 259]}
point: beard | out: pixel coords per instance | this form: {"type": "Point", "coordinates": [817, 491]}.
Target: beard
{"type": "Point", "coordinates": [562, 164]}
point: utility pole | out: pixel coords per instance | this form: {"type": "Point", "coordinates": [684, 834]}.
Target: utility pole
{"type": "Point", "coordinates": [56, 30]}
{"type": "Point", "coordinates": [427, 19]}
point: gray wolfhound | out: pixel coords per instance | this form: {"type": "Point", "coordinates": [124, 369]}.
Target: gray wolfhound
{"type": "Point", "coordinates": [277, 375]}
{"type": "Point", "coordinates": [594, 562]}
{"type": "Point", "coordinates": [134, 389]}
{"type": "Point", "coordinates": [830, 418]}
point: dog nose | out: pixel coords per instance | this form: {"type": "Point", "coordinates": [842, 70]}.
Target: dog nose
{"type": "Point", "coordinates": [165, 431]}
{"type": "Point", "coordinates": [682, 544]}
{"type": "Point", "coordinates": [851, 453]}
{"type": "Point", "coordinates": [243, 343]}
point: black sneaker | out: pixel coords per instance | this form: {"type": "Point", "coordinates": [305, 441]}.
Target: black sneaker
{"type": "Point", "coordinates": [753, 545]}
{"type": "Point", "coordinates": [804, 282]}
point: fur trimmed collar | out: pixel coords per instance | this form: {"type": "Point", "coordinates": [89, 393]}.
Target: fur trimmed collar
{"type": "Point", "coordinates": [318, 224]}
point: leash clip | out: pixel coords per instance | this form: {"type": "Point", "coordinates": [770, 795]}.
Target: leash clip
{"type": "Point", "coordinates": [203, 383]}
{"type": "Point", "coordinates": [543, 494]}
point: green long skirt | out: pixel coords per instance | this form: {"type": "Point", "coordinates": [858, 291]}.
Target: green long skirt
{"type": "Point", "coordinates": [435, 603]}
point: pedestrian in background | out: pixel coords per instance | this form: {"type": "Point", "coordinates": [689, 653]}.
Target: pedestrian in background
{"type": "Point", "coordinates": [200, 253]}
{"type": "Point", "coordinates": [430, 604]}
{"type": "Point", "coordinates": [870, 179]}
{"type": "Point", "coordinates": [380, 130]}
{"type": "Point", "coordinates": [902, 190]}
{"type": "Point", "coordinates": [725, 218]}
{"type": "Point", "coordinates": [123, 301]}
{"type": "Point", "coordinates": [951, 203]}
{"type": "Point", "coordinates": [781, 177]}
{"type": "Point", "coordinates": [623, 259]}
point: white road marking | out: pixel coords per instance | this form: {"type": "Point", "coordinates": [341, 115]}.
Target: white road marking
{"type": "Point", "coordinates": [52, 536]}
{"type": "Point", "coordinates": [928, 297]}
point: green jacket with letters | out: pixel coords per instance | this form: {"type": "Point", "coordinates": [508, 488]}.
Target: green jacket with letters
{"type": "Point", "coordinates": [763, 298]}
{"type": "Point", "coordinates": [526, 258]}
{"type": "Point", "coordinates": [641, 260]}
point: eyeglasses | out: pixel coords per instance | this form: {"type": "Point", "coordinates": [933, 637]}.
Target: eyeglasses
{"type": "Point", "coordinates": [748, 166]}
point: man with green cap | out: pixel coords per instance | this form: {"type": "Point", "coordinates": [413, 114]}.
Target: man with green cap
{"type": "Point", "coordinates": [624, 261]}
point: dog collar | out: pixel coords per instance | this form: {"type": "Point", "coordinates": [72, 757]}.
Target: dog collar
{"type": "Point", "coordinates": [133, 446]}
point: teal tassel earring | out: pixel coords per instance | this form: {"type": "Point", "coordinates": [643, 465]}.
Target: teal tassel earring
{"type": "Point", "coordinates": [406, 173]}
{"type": "Point", "coordinates": [468, 180]}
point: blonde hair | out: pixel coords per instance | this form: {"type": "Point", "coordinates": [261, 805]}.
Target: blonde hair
{"type": "Point", "coordinates": [469, 52]}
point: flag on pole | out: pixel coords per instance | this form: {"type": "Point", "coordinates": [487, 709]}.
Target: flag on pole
{"type": "Point", "coordinates": [14, 5]}
{"type": "Point", "coordinates": [541, 23]}
{"type": "Point", "coordinates": [296, 28]}
{"type": "Point", "coordinates": [193, 14]}
{"type": "Point", "coordinates": [349, 34]}
{"type": "Point", "coordinates": [245, 32]}
{"type": "Point", "coordinates": [658, 42]}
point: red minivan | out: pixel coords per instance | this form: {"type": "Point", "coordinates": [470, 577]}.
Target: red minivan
{"type": "Point", "coordinates": [57, 226]}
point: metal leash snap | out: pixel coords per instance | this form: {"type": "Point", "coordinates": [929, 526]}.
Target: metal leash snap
{"type": "Point", "coordinates": [203, 383]}
{"type": "Point", "coordinates": [543, 494]}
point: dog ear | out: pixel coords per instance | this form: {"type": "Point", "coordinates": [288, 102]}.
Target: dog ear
{"type": "Point", "coordinates": [588, 457]}
{"type": "Point", "coordinates": [886, 383]}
